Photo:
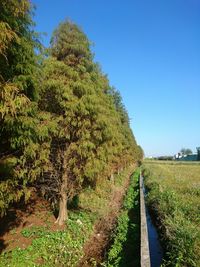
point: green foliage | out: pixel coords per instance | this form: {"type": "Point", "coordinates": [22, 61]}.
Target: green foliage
{"type": "Point", "coordinates": [69, 44]}
{"type": "Point", "coordinates": [23, 129]}
{"type": "Point", "coordinates": [62, 125]}
{"type": "Point", "coordinates": [18, 62]}
{"type": "Point", "coordinates": [125, 228]}
{"type": "Point", "coordinates": [89, 123]}
{"type": "Point", "coordinates": [6, 36]}
{"type": "Point", "coordinates": [34, 231]}
{"type": "Point", "coordinates": [114, 256]}
{"type": "Point", "coordinates": [23, 134]}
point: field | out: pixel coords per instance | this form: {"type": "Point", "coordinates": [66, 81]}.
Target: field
{"type": "Point", "coordinates": [174, 199]}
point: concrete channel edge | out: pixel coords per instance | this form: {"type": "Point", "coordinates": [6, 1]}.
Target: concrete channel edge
{"type": "Point", "coordinates": [144, 243]}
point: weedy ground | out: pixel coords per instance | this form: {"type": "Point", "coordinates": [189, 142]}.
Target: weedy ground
{"type": "Point", "coordinates": [96, 247]}
{"type": "Point", "coordinates": [174, 198]}
{"type": "Point", "coordinates": [30, 237]}
{"type": "Point", "coordinates": [125, 246]}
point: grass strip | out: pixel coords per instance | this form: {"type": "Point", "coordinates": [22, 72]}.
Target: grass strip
{"type": "Point", "coordinates": [125, 248]}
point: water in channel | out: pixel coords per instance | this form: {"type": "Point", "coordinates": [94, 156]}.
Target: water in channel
{"type": "Point", "coordinates": [156, 251]}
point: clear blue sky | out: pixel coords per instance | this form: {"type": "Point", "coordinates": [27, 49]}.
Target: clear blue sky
{"type": "Point", "coordinates": [150, 50]}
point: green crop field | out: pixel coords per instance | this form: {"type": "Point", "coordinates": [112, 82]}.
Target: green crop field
{"type": "Point", "coordinates": [174, 198]}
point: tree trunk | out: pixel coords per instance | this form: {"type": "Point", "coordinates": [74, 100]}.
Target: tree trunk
{"type": "Point", "coordinates": [63, 214]}
{"type": "Point", "coordinates": [112, 177]}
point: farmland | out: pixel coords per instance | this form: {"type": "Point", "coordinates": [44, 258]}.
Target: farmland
{"type": "Point", "coordinates": [174, 199]}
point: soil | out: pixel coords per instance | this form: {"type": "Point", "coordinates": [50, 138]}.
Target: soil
{"type": "Point", "coordinates": [36, 212]}
{"type": "Point", "coordinates": [96, 247]}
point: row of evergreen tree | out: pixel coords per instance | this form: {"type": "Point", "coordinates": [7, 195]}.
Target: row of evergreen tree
{"type": "Point", "coordinates": [62, 126]}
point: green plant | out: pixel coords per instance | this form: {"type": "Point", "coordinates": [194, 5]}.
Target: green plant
{"type": "Point", "coordinates": [59, 248]}
{"type": "Point", "coordinates": [34, 231]}
{"type": "Point", "coordinates": [173, 198]}
{"type": "Point", "coordinates": [127, 229]}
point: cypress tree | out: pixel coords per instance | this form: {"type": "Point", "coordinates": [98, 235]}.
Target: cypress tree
{"type": "Point", "coordinates": [23, 132]}
{"type": "Point", "coordinates": [18, 62]}
{"type": "Point", "coordinates": [93, 133]}
{"type": "Point", "coordinates": [60, 130]}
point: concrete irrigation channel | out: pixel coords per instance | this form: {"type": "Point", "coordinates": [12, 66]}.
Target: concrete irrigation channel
{"type": "Point", "coordinates": [150, 249]}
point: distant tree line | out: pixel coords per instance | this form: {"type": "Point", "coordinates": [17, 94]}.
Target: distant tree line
{"type": "Point", "coordinates": [186, 151]}
{"type": "Point", "coordinates": [165, 158]}
{"type": "Point", "coordinates": [62, 126]}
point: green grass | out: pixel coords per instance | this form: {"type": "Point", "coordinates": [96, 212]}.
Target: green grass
{"type": "Point", "coordinates": [170, 162]}
{"type": "Point", "coordinates": [125, 248]}
{"type": "Point", "coordinates": [96, 201]}
{"type": "Point", "coordinates": [174, 197]}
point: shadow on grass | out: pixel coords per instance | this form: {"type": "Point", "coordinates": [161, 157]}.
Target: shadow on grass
{"type": "Point", "coordinates": [130, 256]}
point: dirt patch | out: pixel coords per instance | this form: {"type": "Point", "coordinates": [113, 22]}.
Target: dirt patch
{"type": "Point", "coordinates": [95, 249]}
{"type": "Point", "coordinates": [36, 213]}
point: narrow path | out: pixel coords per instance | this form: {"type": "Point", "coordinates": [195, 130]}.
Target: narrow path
{"type": "Point", "coordinates": [97, 245]}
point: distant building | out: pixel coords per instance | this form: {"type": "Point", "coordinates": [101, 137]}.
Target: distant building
{"type": "Point", "coordinates": [192, 157]}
